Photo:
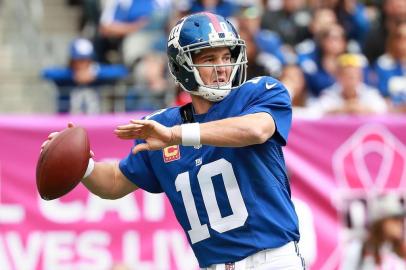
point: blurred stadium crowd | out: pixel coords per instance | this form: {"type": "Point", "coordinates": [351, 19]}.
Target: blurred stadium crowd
{"type": "Point", "coordinates": [335, 56]}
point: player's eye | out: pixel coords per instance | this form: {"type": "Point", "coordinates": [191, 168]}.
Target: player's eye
{"type": "Point", "coordinates": [207, 59]}
{"type": "Point", "coordinates": [227, 59]}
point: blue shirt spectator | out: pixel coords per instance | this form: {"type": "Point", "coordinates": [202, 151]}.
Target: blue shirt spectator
{"type": "Point", "coordinates": [82, 73]}
{"type": "Point", "coordinates": [223, 8]}
{"type": "Point", "coordinates": [352, 16]}
{"type": "Point", "coordinates": [290, 23]}
{"type": "Point", "coordinates": [119, 19]}
{"type": "Point", "coordinates": [317, 77]}
{"type": "Point", "coordinates": [389, 13]}
{"type": "Point", "coordinates": [320, 64]}
{"type": "Point", "coordinates": [386, 68]}
{"type": "Point", "coordinates": [264, 47]}
{"type": "Point", "coordinates": [126, 11]}
{"type": "Point", "coordinates": [390, 68]}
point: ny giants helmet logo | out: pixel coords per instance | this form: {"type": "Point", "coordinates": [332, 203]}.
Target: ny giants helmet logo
{"type": "Point", "coordinates": [173, 39]}
{"type": "Point", "coordinates": [371, 159]}
{"type": "Point", "coordinates": [218, 30]}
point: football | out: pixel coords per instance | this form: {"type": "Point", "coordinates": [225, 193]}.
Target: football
{"type": "Point", "coordinates": [62, 163]}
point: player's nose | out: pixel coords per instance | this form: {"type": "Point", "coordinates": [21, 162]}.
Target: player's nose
{"type": "Point", "coordinates": [221, 66]}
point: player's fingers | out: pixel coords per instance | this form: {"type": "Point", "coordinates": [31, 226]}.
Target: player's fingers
{"type": "Point", "coordinates": [91, 154]}
{"type": "Point", "coordinates": [71, 125]}
{"type": "Point", "coordinates": [52, 134]}
{"type": "Point", "coordinates": [127, 133]}
{"type": "Point", "coordinates": [124, 137]}
{"type": "Point", "coordinates": [123, 129]}
{"type": "Point", "coordinates": [130, 131]}
{"type": "Point", "coordinates": [140, 147]}
{"type": "Point", "coordinates": [44, 143]}
{"type": "Point", "coordinates": [129, 136]}
{"type": "Point", "coordinates": [129, 126]}
{"type": "Point", "coordinates": [43, 146]}
{"type": "Point", "coordinates": [142, 122]}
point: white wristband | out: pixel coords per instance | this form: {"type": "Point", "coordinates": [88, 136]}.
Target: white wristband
{"type": "Point", "coordinates": [190, 134]}
{"type": "Point", "coordinates": [90, 168]}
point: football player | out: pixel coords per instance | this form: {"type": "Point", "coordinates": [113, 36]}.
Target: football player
{"type": "Point", "coordinates": [218, 159]}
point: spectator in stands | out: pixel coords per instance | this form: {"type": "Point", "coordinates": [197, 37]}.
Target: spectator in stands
{"type": "Point", "coordinates": [290, 23]}
{"type": "Point", "coordinates": [321, 19]}
{"type": "Point", "coordinates": [119, 19]}
{"type": "Point", "coordinates": [320, 66]}
{"type": "Point", "coordinates": [391, 12]}
{"type": "Point", "coordinates": [350, 95]}
{"type": "Point", "coordinates": [152, 89]}
{"type": "Point", "coordinates": [293, 79]}
{"type": "Point", "coordinates": [391, 68]}
{"type": "Point", "coordinates": [255, 69]}
{"type": "Point", "coordinates": [264, 48]}
{"type": "Point", "coordinates": [90, 18]}
{"type": "Point", "coordinates": [384, 246]}
{"type": "Point", "coordinates": [352, 16]}
{"type": "Point", "coordinates": [224, 8]}
{"type": "Point", "coordinates": [78, 82]}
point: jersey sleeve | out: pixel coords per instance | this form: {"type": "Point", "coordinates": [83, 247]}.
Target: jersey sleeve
{"type": "Point", "coordinates": [270, 96]}
{"type": "Point", "coordinates": [137, 168]}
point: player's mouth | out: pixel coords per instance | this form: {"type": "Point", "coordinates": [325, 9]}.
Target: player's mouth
{"type": "Point", "coordinates": [219, 82]}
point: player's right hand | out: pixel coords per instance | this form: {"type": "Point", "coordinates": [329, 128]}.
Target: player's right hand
{"type": "Point", "coordinates": [156, 135]}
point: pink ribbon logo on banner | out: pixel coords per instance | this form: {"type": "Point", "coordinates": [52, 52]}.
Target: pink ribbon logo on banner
{"type": "Point", "coordinates": [371, 159]}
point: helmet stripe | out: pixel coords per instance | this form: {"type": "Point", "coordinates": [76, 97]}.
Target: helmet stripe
{"type": "Point", "coordinates": [214, 21]}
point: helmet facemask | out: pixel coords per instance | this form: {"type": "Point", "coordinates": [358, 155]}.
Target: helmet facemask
{"type": "Point", "coordinates": [219, 90]}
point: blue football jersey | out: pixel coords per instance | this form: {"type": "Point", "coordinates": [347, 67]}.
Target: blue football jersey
{"type": "Point", "coordinates": [231, 201]}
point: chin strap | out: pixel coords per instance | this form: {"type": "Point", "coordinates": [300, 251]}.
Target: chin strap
{"type": "Point", "coordinates": [186, 113]}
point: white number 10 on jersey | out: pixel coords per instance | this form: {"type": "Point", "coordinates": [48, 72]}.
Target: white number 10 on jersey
{"type": "Point", "coordinates": [198, 231]}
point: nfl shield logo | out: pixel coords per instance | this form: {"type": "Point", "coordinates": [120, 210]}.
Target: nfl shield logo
{"type": "Point", "coordinates": [229, 266]}
{"type": "Point", "coordinates": [171, 153]}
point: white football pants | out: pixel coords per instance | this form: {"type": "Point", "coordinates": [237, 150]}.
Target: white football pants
{"type": "Point", "coordinates": [286, 257]}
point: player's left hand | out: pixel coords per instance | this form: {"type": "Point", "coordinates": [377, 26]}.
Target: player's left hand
{"type": "Point", "coordinates": [52, 135]}
{"type": "Point", "coordinates": [156, 136]}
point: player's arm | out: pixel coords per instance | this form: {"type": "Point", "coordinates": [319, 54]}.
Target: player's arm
{"type": "Point", "coordinates": [108, 182]}
{"type": "Point", "coordinates": [238, 131]}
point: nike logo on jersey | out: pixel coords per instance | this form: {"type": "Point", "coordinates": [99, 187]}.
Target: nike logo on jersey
{"type": "Point", "coordinates": [270, 86]}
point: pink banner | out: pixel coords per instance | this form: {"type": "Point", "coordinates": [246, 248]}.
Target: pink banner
{"type": "Point", "coordinates": [79, 231]}
{"type": "Point", "coordinates": [335, 164]}
{"type": "Point", "coordinates": [332, 162]}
